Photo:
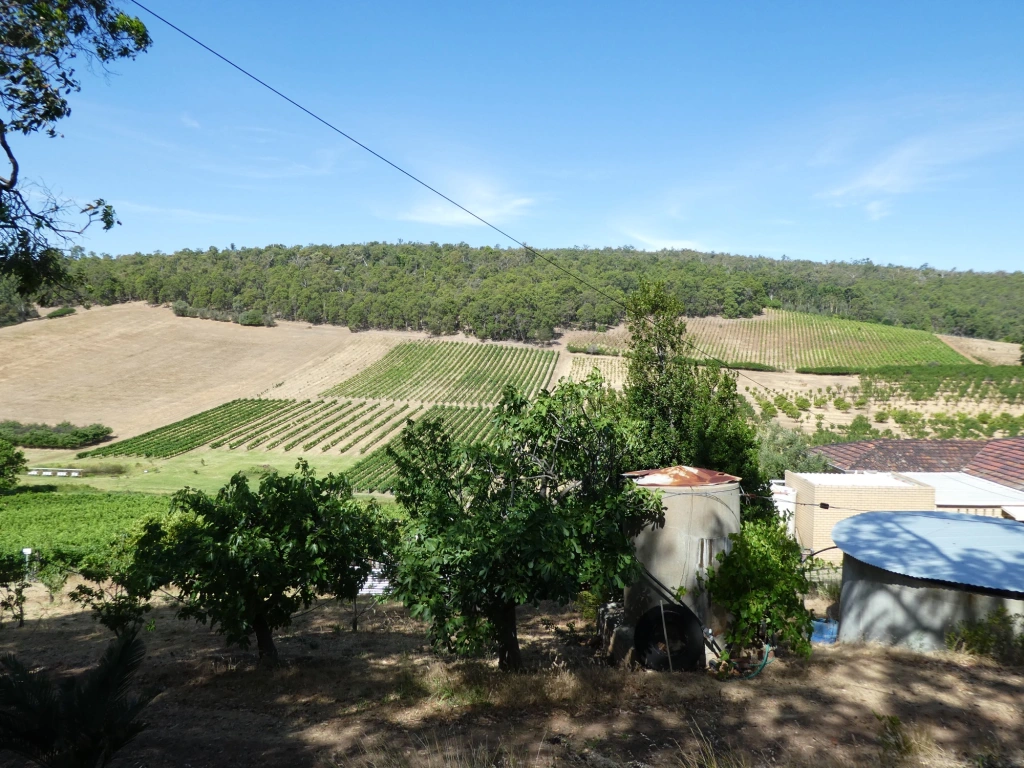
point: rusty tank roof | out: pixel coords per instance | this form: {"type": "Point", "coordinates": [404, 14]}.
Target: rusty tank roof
{"type": "Point", "coordinates": [681, 477]}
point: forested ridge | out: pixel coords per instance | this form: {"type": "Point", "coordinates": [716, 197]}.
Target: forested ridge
{"type": "Point", "coordinates": [512, 294]}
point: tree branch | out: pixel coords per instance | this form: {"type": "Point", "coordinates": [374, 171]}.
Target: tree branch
{"type": "Point", "coordinates": [9, 183]}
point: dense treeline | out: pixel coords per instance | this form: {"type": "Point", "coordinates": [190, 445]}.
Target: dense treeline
{"type": "Point", "coordinates": [63, 435]}
{"type": "Point", "coordinates": [498, 293]}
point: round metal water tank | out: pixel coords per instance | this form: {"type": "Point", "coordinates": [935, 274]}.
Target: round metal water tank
{"type": "Point", "coordinates": [702, 507]}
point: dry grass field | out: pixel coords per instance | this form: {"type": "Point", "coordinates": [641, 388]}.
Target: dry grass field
{"type": "Point", "coordinates": [134, 367]}
{"type": "Point", "coordinates": [379, 698]}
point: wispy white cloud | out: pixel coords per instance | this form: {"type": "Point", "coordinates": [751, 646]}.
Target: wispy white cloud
{"type": "Point", "coordinates": [929, 158]}
{"type": "Point", "coordinates": [188, 121]}
{"type": "Point", "coordinates": [659, 243]}
{"type": "Point", "coordinates": [483, 197]}
{"type": "Point", "coordinates": [877, 209]}
{"type": "Point", "coordinates": [182, 214]}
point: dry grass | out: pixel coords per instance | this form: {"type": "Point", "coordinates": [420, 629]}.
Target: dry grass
{"type": "Point", "coordinates": [380, 698]}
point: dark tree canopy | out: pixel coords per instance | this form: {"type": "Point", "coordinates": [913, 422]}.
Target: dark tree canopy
{"type": "Point", "coordinates": [41, 44]}
{"type": "Point", "coordinates": [497, 293]}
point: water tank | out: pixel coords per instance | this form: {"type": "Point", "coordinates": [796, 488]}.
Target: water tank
{"type": "Point", "coordinates": [702, 507]}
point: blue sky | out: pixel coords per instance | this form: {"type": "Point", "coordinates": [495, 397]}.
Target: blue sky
{"type": "Point", "coordinates": [826, 131]}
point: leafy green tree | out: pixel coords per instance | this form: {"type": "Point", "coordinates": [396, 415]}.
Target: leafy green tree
{"type": "Point", "coordinates": [780, 449]}
{"type": "Point", "coordinates": [687, 413]}
{"type": "Point", "coordinates": [541, 514]}
{"type": "Point", "coordinates": [247, 560]}
{"type": "Point", "coordinates": [72, 723]}
{"type": "Point", "coordinates": [12, 464]}
{"type": "Point", "coordinates": [40, 41]}
{"type": "Point", "coordinates": [762, 582]}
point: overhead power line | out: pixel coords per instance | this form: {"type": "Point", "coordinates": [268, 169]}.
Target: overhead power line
{"type": "Point", "coordinates": [427, 186]}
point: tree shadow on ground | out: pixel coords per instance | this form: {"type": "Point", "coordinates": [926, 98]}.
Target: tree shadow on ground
{"type": "Point", "coordinates": [382, 698]}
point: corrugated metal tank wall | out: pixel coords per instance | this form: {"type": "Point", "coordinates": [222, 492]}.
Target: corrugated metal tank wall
{"type": "Point", "coordinates": [698, 521]}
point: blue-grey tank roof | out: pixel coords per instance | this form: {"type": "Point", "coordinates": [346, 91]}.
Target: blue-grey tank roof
{"type": "Point", "coordinates": [985, 552]}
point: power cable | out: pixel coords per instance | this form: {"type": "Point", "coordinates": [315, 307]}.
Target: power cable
{"type": "Point", "coordinates": [437, 192]}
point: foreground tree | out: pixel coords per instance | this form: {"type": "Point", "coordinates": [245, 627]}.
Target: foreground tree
{"type": "Point", "coordinates": [40, 41]}
{"type": "Point", "coordinates": [247, 560]}
{"type": "Point", "coordinates": [540, 515]}
{"type": "Point", "coordinates": [685, 413]}
{"type": "Point", "coordinates": [12, 464]}
{"type": "Point", "coordinates": [73, 723]}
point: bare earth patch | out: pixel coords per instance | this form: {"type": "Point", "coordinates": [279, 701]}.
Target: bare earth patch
{"type": "Point", "coordinates": [380, 697]}
{"type": "Point", "coordinates": [985, 351]}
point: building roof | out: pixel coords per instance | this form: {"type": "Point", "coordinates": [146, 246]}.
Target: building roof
{"type": "Point", "coordinates": [958, 489]}
{"type": "Point", "coordinates": [985, 552]}
{"type": "Point", "coordinates": [999, 460]}
{"type": "Point", "coordinates": [901, 455]}
{"type": "Point", "coordinates": [871, 480]}
{"type": "Point", "coordinates": [678, 477]}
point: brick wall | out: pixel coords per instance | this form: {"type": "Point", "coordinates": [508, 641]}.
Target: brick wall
{"type": "Point", "coordinates": [814, 525]}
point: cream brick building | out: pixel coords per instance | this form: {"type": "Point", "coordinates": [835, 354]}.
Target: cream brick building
{"type": "Point", "coordinates": [848, 495]}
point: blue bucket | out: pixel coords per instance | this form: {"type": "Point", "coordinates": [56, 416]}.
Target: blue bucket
{"type": "Point", "coordinates": [824, 631]}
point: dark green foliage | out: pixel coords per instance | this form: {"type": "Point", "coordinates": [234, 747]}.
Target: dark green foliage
{"type": "Point", "coordinates": [999, 635]}
{"type": "Point", "coordinates": [12, 464]}
{"type": "Point", "coordinates": [78, 722]}
{"type": "Point", "coordinates": [42, 44]}
{"type": "Point", "coordinates": [541, 514]}
{"type": "Point", "coordinates": [62, 312]}
{"type": "Point", "coordinates": [831, 370]}
{"type": "Point", "coordinates": [780, 449]}
{"type": "Point", "coordinates": [496, 293]}
{"type": "Point", "coordinates": [250, 317]}
{"type": "Point", "coordinates": [63, 435]}
{"type": "Point", "coordinates": [245, 561]}
{"type": "Point", "coordinates": [13, 583]}
{"type": "Point", "coordinates": [14, 308]}
{"type": "Point", "coordinates": [761, 582]}
{"type": "Point", "coordinates": [686, 414]}
{"type": "Point", "coordinates": [926, 382]}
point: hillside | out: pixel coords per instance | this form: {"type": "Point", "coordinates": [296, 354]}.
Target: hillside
{"type": "Point", "coordinates": [497, 293]}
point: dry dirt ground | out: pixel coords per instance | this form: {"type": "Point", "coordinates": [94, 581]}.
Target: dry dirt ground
{"type": "Point", "coordinates": [985, 351]}
{"type": "Point", "coordinates": [380, 698]}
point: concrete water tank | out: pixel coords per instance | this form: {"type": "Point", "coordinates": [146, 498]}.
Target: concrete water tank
{"type": "Point", "coordinates": [702, 507]}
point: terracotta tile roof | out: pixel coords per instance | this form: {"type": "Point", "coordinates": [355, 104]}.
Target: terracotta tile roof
{"type": "Point", "coordinates": [1000, 460]}
{"type": "Point", "coordinates": [902, 455]}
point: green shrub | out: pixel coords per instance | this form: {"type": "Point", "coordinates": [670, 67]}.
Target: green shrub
{"type": "Point", "coordinates": [250, 317]}
{"type": "Point", "coordinates": [841, 404]}
{"type": "Point", "coordinates": [802, 403]}
{"type": "Point", "coordinates": [835, 370]}
{"type": "Point", "coordinates": [999, 636]}
{"type": "Point", "coordinates": [882, 417]}
{"type": "Point", "coordinates": [761, 582]}
{"type": "Point", "coordinates": [820, 402]}
{"type": "Point", "coordinates": [62, 312]}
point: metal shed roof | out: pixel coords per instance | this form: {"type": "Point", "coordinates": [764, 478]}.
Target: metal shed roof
{"type": "Point", "coordinates": [958, 489]}
{"type": "Point", "coordinates": [986, 552]}
{"type": "Point", "coordinates": [681, 477]}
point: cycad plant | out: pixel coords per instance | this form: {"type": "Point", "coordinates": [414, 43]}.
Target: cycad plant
{"type": "Point", "coordinates": [78, 722]}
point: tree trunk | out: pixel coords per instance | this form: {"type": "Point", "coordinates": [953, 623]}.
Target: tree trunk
{"type": "Point", "coordinates": [264, 640]}
{"type": "Point", "coordinates": [504, 620]}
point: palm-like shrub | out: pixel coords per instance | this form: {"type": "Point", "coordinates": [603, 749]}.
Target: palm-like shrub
{"type": "Point", "coordinates": [78, 722]}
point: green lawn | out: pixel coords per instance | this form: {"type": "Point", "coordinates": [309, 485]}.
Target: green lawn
{"type": "Point", "coordinates": [207, 470]}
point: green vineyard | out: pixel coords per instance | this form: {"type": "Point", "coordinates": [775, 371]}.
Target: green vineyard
{"type": "Point", "coordinates": [376, 473]}
{"type": "Point", "coordinates": [450, 372]}
{"type": "Point", "coordinates": [333, 425]}
{"type": "Point", "coordinates": [791, 340]}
